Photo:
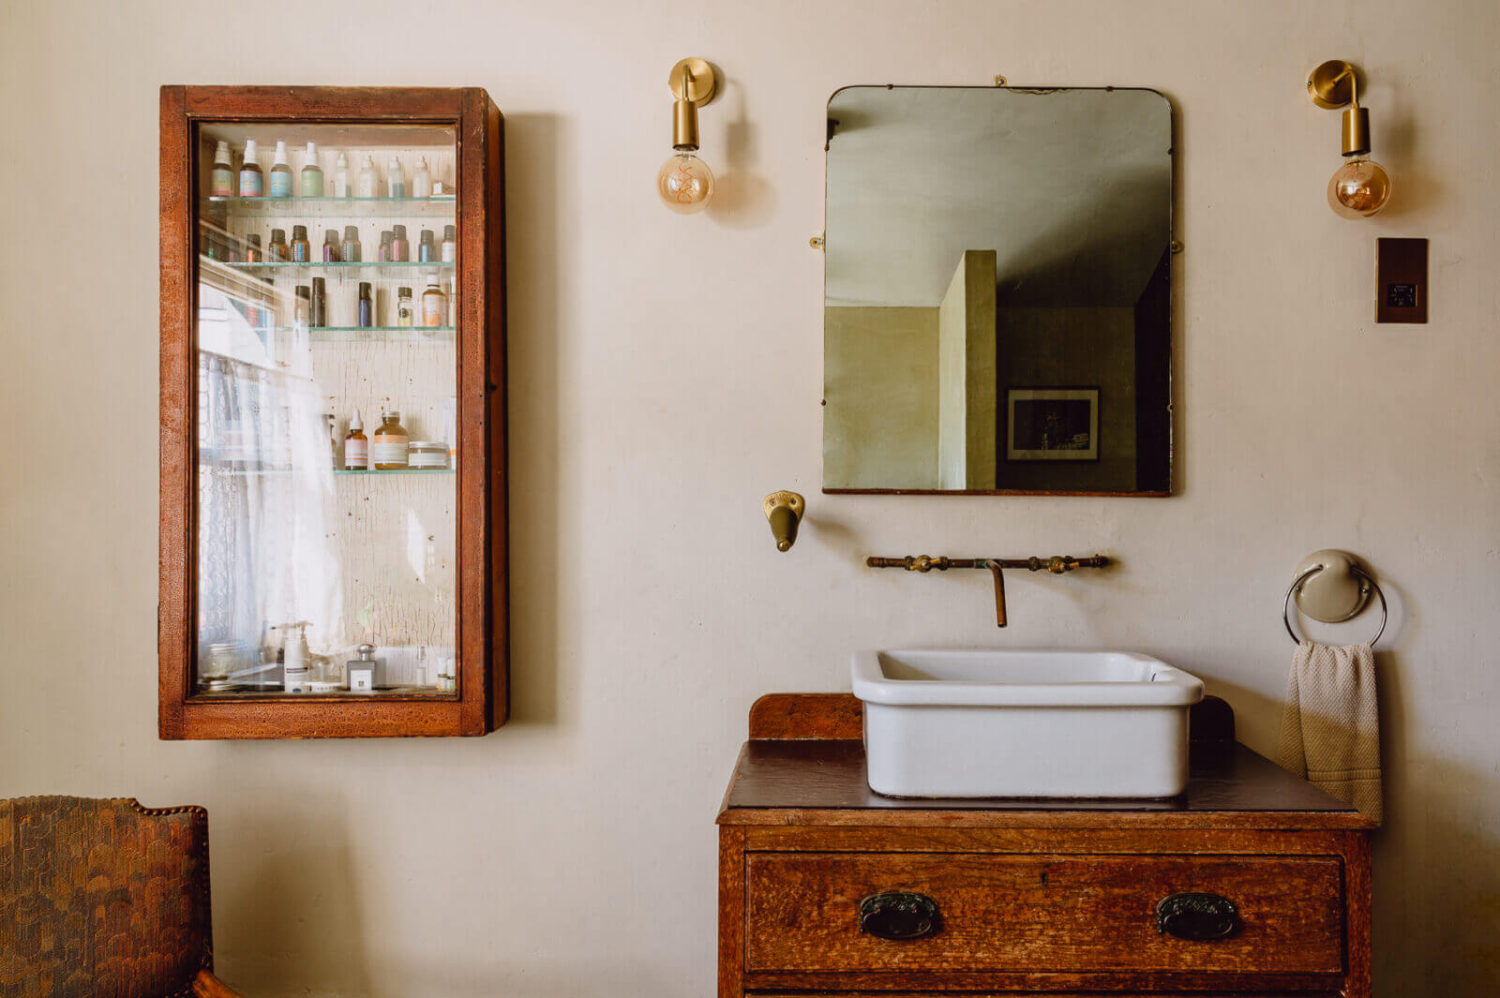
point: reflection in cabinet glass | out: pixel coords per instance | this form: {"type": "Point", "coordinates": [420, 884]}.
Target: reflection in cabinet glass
{"type": "Point", "coordinates": [331, 262]}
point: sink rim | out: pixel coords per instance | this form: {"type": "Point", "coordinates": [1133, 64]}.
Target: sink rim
{"type": "Point", "coordinates": [1168, 687]}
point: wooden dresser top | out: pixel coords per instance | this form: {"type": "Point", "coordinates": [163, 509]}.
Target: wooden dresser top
{"type": "Point", "coordinates": [806, 769]}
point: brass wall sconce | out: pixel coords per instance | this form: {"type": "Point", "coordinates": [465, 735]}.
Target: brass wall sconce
{"type": "Point", "coordinates": [1360, 187]}
{"type": "Point", "coordinates": [684, 181]}
{"type": "Point", "coordinates": [784, 511]}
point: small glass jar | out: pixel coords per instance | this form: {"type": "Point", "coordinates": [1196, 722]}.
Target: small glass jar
{"type": "Point", "coordinates": [428, 454]}
{"type": "Point", "coordinates": [223, 661]}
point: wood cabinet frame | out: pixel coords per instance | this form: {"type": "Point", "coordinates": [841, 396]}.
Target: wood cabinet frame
{"type": "Point", "coordinates": [483, 633]}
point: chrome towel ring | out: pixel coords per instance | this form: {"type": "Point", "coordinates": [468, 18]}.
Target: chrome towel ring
{"type": "Point", "coordinates": [1366, 585]}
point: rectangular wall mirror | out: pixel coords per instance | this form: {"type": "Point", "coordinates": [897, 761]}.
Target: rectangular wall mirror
{"type": "Point", "coordinates": [997, 291]}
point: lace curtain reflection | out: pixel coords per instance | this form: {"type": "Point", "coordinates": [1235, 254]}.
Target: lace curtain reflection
{"type": "Point", "coordinates": [265, 491]}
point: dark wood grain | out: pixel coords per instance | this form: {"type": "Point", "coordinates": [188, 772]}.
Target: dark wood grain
{"type": "Point", "coordinates": [807, 715]}
{"type": "Point", "coordinates": [1142, 838]}
{"type": "Point", "coordinates": [1043, 911]}
{"type": "Point", "coordinates": [731, 911]}
{"type": "Point", "coordinates": [1360, 889]}
{"type": "Point", "coordinates": [177, 440]}
{"type": "Point", "coordinates": [1054, 994]}
{"type": "Point", "coordinates": [1039, 983]}
{"type": "Point", "coordinates": [806, 776]}
{"type": "Point", "coordinates": [483, 625]}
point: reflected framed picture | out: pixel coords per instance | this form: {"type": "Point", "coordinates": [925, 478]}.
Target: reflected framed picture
{"type": "Point", "coordinates": [1052, 424]}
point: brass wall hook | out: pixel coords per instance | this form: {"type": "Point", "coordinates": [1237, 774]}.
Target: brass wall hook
{"type": "Point", "coordinates": [784, 511]}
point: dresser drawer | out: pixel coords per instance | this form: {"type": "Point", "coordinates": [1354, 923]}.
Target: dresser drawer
{"type": "Point", "coordinates": [1009, 912]}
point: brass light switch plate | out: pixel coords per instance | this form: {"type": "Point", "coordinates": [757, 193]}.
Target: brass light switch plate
{"type": "Point", "coordinates": [1400, 280]}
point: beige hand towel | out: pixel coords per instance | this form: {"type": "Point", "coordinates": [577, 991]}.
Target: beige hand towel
{"type": "Point", "coordinates": [1330, 732]}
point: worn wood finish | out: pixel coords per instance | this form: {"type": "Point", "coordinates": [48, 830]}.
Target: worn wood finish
{"type": "Point", "coordinates": [206, 985]}
{"type": "Point", "coordinates": [1040, 911]}
{"type": "Point", "coordinates": [482, 600]}
{"type": "Point", "coordinates": [1051, 994]}
{"type": "Point", "coordinates": [178, 435]}
{"type": "Point", "coordinates": [731, 911]}
{"type": "Point", "coordinates": [826, 779]}
{"type": "Point", "coordinates": [812, 840]}
{"type": "Point", "coordinates": [1139, 840]}
{"type": "Point", "coordinates": [817, 716]}
{"type": "Point", "coordinates": [1012, 985]}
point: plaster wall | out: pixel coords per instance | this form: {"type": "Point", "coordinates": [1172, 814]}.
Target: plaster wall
{"type": "Point", "coordinates": [669, 363]}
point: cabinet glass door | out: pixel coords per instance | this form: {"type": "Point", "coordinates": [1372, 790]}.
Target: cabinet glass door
{"type": "Point", "coordinates": [327, 383]}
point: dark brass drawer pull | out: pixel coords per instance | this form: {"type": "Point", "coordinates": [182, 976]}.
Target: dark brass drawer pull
{"type": "Point", "coordinates": [899, 915]}
{"type": "Point", "coordinates": [1197, 916]}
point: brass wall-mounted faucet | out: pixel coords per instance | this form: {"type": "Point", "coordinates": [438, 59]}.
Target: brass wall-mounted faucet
{"type": "Point", "coordinates": [1057, 565]}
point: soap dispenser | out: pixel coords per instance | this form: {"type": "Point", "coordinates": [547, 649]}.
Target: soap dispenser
{"type": "Point", "coordinates": [296, 675]}
{"type": "Point", "coordinates": [362, 671]}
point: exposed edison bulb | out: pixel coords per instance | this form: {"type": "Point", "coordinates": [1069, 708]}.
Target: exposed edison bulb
{"type": "Point", "coordinates": [1359, 188]}
{"type": "Point", "coordinates": [685, 183]}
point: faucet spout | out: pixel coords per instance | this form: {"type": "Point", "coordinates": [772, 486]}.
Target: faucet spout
{"type": "Point", "coordinates": [996, 571]}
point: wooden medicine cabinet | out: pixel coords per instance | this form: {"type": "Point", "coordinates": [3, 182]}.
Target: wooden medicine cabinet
{"type": "Point", "coordinates": [333, 480]}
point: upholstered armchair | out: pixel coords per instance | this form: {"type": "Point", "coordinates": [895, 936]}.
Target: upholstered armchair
{"type": "Point", "coordinates": [104, 898]}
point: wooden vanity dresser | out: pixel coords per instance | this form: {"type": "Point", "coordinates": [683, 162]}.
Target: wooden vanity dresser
{"type": "Point", "coordinates": [1251, 883]}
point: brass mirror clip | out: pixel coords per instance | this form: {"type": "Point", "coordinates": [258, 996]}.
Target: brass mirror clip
{"type": "Point", "coordinates": [784, 511]}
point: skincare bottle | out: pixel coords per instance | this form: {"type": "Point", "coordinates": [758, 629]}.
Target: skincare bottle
{"type": "Point", "coordinates": [367, 177]}
{"type": "Point", "coordinates": [350, 251]}
{"type": "Point", "coordinates": [388, 450]}
{"type": "Point", "coordinates": [281, 174]}
{"type": "Point", "coordinates": [426, 249]}
{"type": "Point", "coordinates": [276, 251]}
{"type": "Point", "coordinates": [301, 306]}
{"type": "Point", "coordinates": [400, 248]}
{"type": "Point", "coordinates": [421, 181]}
{"type": "Point", "coordinates": [253, 251]}
{"type": "Point", "coordinates": [395, 182]}
{"type": "Point", "coordinates": [301, 250]}
{"type": "Point", "coordinates": [221, 177]}
{"type": "Point", "coordinates": [341, 177]}
{"type": "Point", "coordinates": [252, 181]}
{"type": "Point", "coordinates": [361, 671]}
{"type": "Point", "coordinates": [385, 247]}
{"type": "Point", "coordinates": [318, 314]}
{"type": "Point", "coordinates": [312, 173]}
{"type": "Point", "coordinates": [434, 304]}
{"type": "Point", "coordinates": [452, 299]}
{"type": "Point", "coordinates": [331, 246]}
{"type": "Point", "coordinates": [296, 676]}
{"type": "Point", "coordinates": [356, 445]}
{"type": "Point", "coordinates": [364, 306]}
{"type": "Point", "coordinates": [450, 244]}
{"type": "Point", "coordinates": [405, 315]}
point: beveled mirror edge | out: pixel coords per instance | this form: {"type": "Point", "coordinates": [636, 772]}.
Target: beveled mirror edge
{"type": "Point", "coordinates": [1173, 470]}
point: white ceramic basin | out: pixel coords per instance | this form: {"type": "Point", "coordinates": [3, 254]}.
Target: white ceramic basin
{"type": "Point", "coordinates": [1024, 723]}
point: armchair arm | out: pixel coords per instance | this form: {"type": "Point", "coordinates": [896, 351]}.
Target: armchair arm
{"type": "Point", "coordinates": [206, 985]}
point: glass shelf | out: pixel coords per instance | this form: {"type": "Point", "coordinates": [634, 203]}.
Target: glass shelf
{"type": "Point", "coordinates": [435, 207]}
{"type": "Point", "coordinates": [317, 267]}
{"type": "Point", "coordinates": [226, 468]}
{"type": "Point", "coordinates": [376, 334]}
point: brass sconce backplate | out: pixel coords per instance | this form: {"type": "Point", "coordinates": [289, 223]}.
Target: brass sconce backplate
{"type": "Point", "coordinates": [701, 80]}
{"type": "Point", "coordinates": [1331, 85]}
